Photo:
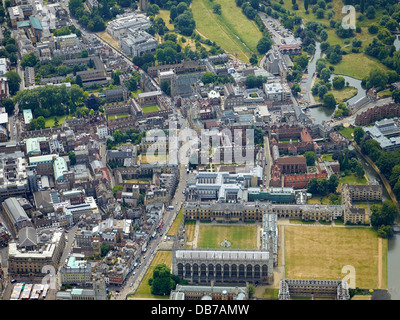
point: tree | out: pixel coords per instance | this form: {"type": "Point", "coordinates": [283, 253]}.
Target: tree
{"type": "Point", "coordinates": [14, 81]}
{"type": "Point", "coordinates": [358, 134]}
{"type": "Point", "coordinates": [322, 90]}
{"type": "Point", "coordinates": [78, 80]}
{"type": "Point", "coordinates": [371, 12]}
{"type": "Point", "coordinates": [105, 248]}
{"type": "Point", "coordinates": [329, 100]}
{"type": "Point", "coordinates": [162, 282]}
{"type": "Point", "coordinates": [84, 53]}
{"type": "Point", "coordinates": [117, 188]}
{"type": "Point", "coordinates": [377, 78]}
{"type": "Point", "coordinates": [296, 89]}
{"type": "Point", "coordinates": [166, 87]}
{"type": "Point", "coordinates": [310, 158]}
{"type": "Point", "coordinates": [323, 35]}
{"type": "Point", "coordinates": [306, 5]}
{"type": "Point", "coordinates": [320, 13]}
{"type": "Point", "coordinates": [396, 95]}
{"type": "Point", "coordinates": [217, 9]}
{"type": "Point", "coordinates": [29, 60]}
{"type": "Point", "coordinates": [325, 74]}
{"type": "Point", "coordinates": [263, 45]}
{"type": "Point", "coordinates": [338, 82]}
{"type": "Point", "coordinates": [208, 77]}
{"type": "Point", "coordinates": [72, 157]}
{"type": "Point", "coordinates": [41, 122]}
{"type": "Point", "coordinates": [332, 183]}
{"type": "Point", "coordinates": [373, 28]}
{"type": "Point", "coordinates": [8, 104]}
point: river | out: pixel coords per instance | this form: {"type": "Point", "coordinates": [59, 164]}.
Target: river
{"type": "Point", "coordinates": [320, 114]}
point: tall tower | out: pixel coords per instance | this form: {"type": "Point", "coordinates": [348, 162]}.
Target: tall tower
{"type": "Point", "coordinates": [143, 4]}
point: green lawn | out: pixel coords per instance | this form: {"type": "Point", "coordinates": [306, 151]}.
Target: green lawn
{"type": "Point", "coordinates": [148, 109]}
{"type": "Point", "coordinates": [50, 120]}
{"type": "Point", "coordinates": [347, 132]}
{"type": "Point", "coordinates": [242, 236]}
{"type": "Point", "coordinates": [327, 157]}
{"type": "Point", "coordinates": [357, 65]}
{"type": "Point", "coordinates": [113, 116]}
{"type": "Point", "coordinates": [344, 94]}
{"type": "Point", "coordinates": [351, 179]}
{"type": "Point", "coordinates": [322, 252]}
{"type": "Point", "coordinates": [231, 30]}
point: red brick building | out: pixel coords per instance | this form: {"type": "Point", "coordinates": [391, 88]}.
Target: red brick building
{"type": "Point", "coordinates": [292, 164]}
{"type": "Point", "coordinates": [301, 181]}
{"type": "Point", "coordinates": [372, 114]}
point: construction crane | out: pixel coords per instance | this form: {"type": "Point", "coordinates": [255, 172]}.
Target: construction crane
{"type": "Point", "coordinates": [236, 56]}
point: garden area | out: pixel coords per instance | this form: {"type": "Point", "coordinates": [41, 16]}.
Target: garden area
{"type": "Point", "coordinates": [147, 109]}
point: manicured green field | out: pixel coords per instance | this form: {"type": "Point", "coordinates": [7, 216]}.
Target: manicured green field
{"type": "Point", "coordinates": [327, 157]}
{"type": "Point", "coordinates": [347, 132]}
{"type": "Point", "coordinates": [322, 252]}
{"type": "Point", "coordinates": [242, 236]}
{"type": "Point", "coordinates": [148, 109]}
{"type": "Point", "coordinates": [231, 30]}
{"type": "Point", "coordinates": [50, 120]}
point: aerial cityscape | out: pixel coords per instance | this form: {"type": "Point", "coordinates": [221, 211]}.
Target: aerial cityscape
{"type": "Point", "coordinates": [199, 150]}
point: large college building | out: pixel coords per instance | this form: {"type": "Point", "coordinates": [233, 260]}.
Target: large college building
{"type": "Point", "coordinates": [228, 266]}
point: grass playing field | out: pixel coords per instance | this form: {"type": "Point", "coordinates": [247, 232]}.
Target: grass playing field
{"type": "Point", "coordinates": [231, 30]}
{"type": "Point", "coordinates": [322, 252]}
{"type": "Point", "coordinates": [242, 236]}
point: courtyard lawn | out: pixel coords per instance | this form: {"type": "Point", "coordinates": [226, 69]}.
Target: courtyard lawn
{"type": "Point", "coordinates": [144, 290]}
{"type": "Point", "coordinates": [231, 30]}
{"type": "Point", "coordinates": [242, 236]}
{"type": "Point", "coordinates": [318, 200]}
{"type": "Point", "coordinates": [322, 252]}
{"type": "Point", "coordinates": [176, 224]}
{"type": "Point", "coordinates": [148, 109]}
{"type": "Point", "coordinates": [347, 132]}
{"type": "Point", "coordinates": [351, 179]}
{"type": "Point", "coordinates": [327, 157]}
{"type": "Point", "coordinates": [151, 158]}
{"type": "Point", "coordinates": [49, 122]}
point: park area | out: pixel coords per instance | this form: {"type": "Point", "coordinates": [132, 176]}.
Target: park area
{"type": "Point", "coordinates": [231, 29]}
{"type": "Point", "coordinates": [322, 252]}
{"type": "Point", "coordinates": [240, 236]}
